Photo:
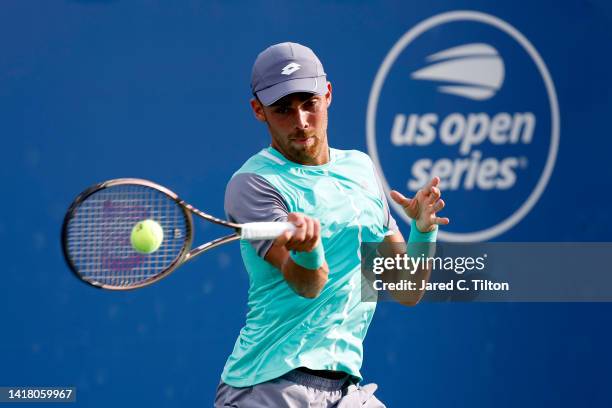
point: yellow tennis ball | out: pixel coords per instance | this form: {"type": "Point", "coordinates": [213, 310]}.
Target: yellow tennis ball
{"type": "Point", "coordinates": [147, 236]}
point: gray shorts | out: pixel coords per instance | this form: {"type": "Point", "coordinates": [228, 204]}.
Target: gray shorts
{"type": "Point", "coordinates": [298, 389]}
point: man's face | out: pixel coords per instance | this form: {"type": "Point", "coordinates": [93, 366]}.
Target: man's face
{"type": "Point", "coordinates": [298, 126]}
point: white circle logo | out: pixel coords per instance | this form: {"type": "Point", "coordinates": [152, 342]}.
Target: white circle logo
{"type": "Point", "coordinates": [465, 96]}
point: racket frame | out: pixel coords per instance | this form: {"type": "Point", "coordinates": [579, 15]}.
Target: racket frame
{"type": "Point", "coordinates": [185, 254]}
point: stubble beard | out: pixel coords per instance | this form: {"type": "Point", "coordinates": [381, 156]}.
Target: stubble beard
{"type": "Point", "coordinates": [307, 154]}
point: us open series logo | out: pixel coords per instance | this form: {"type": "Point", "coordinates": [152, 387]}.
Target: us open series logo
{"type": "Point", "coordinates": [465, 96]}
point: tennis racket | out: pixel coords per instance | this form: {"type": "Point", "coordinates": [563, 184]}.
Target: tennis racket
{"type": "Point", "coordinates": [97, 228]}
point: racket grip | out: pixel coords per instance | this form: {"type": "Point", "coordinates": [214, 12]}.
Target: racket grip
{"type": "Point", "coordinates": [253, 231]}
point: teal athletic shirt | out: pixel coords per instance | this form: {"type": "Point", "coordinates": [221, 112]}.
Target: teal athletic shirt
{"type": "Point", "coordinates": [283, 330]}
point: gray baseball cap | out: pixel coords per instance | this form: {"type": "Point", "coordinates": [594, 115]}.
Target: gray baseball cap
{"type": "Point", "coordinates": [287, 68]}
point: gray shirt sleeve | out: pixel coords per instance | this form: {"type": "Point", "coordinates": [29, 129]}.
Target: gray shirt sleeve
{"type": "Point", "coordinates": [250, 198]}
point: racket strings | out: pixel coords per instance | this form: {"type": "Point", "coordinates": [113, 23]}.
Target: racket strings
{"type": "Point", "coordinates": [98, 235]}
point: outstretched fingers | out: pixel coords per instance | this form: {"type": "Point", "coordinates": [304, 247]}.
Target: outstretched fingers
{"type": "Point", "coordinates": [441, 220]}
{"type": "Point", "coordinates": [439, 205]}
{"type": "Point", "coordinates": [400, 198]}
{"type": "Point", "coordinates": [433, 208]}
{"type": "Point", "coordinates": [434, 195]}
{"type": "Point", "coordinates": [432, 183]}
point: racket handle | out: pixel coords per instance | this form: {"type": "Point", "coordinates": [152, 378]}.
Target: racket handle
{"type": "Point", "coordinates": [253, 231]}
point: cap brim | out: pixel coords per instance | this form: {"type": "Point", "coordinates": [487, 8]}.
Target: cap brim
{"type": "Point", "coordinates": [272, 94]}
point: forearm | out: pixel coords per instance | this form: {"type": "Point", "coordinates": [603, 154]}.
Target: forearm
{"type": "Point", "coordinates": [410, 295]}
{"type": "Point", "coordinates": [421, 246]}
{"type": "Point", "coordinates": [305, 282]}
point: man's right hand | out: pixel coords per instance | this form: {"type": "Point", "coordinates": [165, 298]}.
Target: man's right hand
{"type": "Point", "coordinates": [304, 238]}
{"type": "Point", "coordinates": [307, 235]}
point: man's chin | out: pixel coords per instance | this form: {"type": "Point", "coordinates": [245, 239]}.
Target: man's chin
{"type": "Point", "coordinates": [305, 152]}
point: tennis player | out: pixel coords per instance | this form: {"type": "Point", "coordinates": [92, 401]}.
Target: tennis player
{"type": "Point", "coordinates": [301, 345]}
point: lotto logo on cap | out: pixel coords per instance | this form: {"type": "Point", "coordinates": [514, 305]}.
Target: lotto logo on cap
{"type": "Point", "coordinates": [465, 96]}
{"type": "Point", "coordinates": [287, 68]}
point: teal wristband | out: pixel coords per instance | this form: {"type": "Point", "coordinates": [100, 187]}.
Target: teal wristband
{"type": "Point", "coordinates": [309, 260]}
{"type": "Point", "coordinates": [418, 236]}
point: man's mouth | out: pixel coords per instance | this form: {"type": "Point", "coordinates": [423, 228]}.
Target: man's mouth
{"type": "Point", "coordinates": [303, 140]}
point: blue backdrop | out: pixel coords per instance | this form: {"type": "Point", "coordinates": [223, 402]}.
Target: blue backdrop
{"type": "Point", "coordinates": [92, 90]}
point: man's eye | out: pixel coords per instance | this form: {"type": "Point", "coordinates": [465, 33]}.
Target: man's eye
{"type": "Point", "coordinates": [282, 111]}
{"type": "Point", "coordinates": [312, 104]}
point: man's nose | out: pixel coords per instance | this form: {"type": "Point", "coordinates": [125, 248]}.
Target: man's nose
{"type": "Point", "coordinates": [301, 120]}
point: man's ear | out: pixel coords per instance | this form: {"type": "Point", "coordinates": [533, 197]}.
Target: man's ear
{"type": "Point", "coordinates": [258, 110]}
{"type": "Point", "coordinates": [328, 95]}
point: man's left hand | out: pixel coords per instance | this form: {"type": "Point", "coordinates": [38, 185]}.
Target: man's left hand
{"type": "Point", "coordinates": [424, 206]}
